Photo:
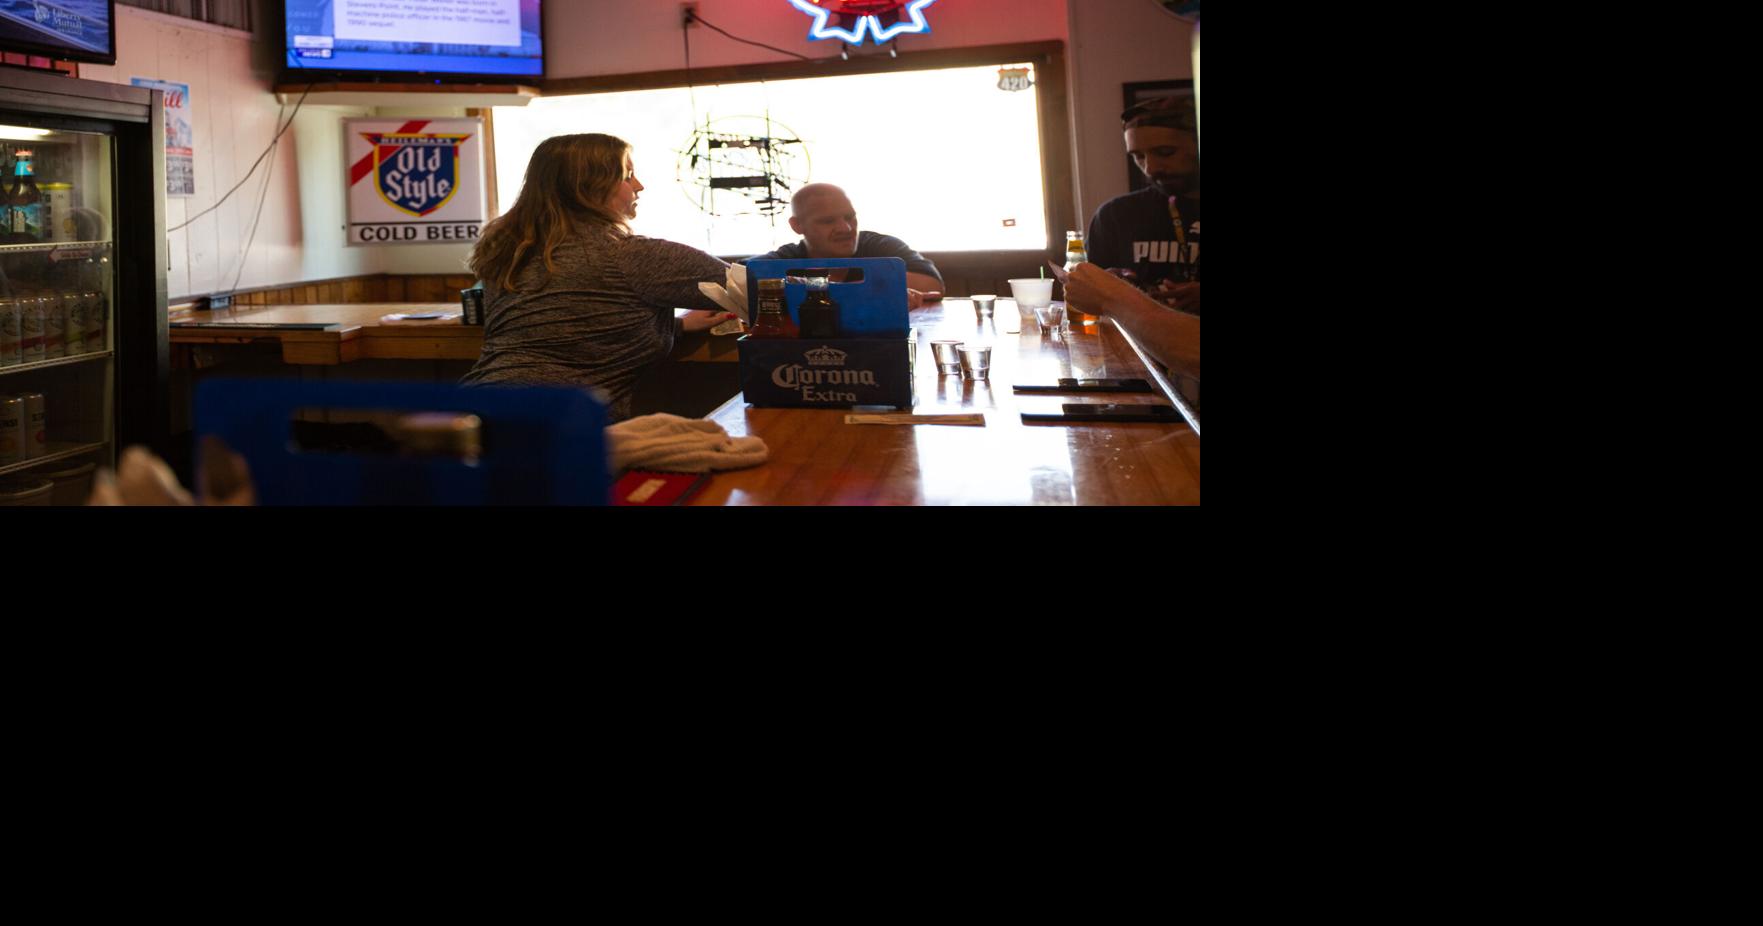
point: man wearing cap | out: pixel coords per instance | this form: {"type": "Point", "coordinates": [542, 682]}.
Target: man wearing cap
{"type": "Point", "coordinates": [1155, 233]}
{"type": "Point", "coordinates": [827, 222]}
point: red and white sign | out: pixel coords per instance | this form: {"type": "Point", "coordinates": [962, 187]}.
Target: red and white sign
{"type": "Point", "coordinates": [418, 181]}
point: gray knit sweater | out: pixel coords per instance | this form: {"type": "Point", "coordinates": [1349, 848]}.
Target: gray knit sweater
{"type": "Point", "coordinates": [598, 318]}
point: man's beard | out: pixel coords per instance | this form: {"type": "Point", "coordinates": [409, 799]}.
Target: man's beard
{"type": "Point", "coordinates": [1176, 184]}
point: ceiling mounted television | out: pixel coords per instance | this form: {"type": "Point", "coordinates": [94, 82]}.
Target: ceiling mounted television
{"type": "Point", "coordinates": [74, 30]}
{"type": "Point", "coordinates": [498, 41]}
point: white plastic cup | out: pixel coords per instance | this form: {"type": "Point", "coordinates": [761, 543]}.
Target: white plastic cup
{"type": "Point", "coordinates": [1031, 294]}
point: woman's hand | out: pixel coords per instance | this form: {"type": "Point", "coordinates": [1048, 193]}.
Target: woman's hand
{"type": "Point", "coordinates": [703, 320]}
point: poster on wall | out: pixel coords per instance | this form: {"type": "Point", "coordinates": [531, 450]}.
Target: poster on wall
{"type": "Point", "coordinates": [414, 181]}
{"type": "Point", "coordinates": [180, 138]}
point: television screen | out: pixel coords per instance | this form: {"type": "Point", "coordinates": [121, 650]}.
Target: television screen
{"type": "Point", "coordinates": [328, 39]}
{"type": "Point", "coordinates": [76, 30]}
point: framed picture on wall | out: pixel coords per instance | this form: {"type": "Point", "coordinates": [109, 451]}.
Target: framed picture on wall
{"type": "Point", "coordinates": [1134, 94]}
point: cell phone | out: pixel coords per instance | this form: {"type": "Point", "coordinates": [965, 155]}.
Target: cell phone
{"type": "Point", "coordinates": [1109, 413]}
{"type": "Point", "coordinates": [1067, 384]}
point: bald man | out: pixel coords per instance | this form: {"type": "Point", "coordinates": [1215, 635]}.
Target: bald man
{"type": "Point", "coordinates": [827, 222]}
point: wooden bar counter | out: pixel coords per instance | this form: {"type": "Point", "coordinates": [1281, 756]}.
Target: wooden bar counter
{"type": "Point", "coordinates": [818, 459]}
{"type": "Point", "coordinates": [356, 332]}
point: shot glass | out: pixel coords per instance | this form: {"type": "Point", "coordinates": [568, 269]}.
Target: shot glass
{"type": "Point", "coordinates": [976, 361]}
{"type": "Point", "coordinates": [983, 305]}
{"type": "Point", "coordinates": [948, 357]}
{"type": "Point", "coordinates": [1051, 318]}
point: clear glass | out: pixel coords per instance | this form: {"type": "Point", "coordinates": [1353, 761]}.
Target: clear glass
{"type": "Point", "coordinates": [948, 354]}
{"type": "Point", "coordinates": [1051, 318]}
{"type": "Point", "coordinates": [976, 361]}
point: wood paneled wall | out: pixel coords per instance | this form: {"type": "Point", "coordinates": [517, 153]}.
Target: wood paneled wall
{"type": "Point", "coordinates": [969, 272]}
{"type": "Point", "coordinates": [378, 287]}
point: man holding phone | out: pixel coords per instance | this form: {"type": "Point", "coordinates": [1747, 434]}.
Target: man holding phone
{"type": "Point", "coordinates": [1152, 237]}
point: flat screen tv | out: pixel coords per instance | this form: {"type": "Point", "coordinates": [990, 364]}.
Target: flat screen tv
{"type": "Point", "coordinates": [74, 30]}
{"type": "Point", "coordinates": [497, 41]}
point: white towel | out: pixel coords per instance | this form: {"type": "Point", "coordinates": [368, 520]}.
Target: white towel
{"type": "Point", "coordinates": [680, 445]}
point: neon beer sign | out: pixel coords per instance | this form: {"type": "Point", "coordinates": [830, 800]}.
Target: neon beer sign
{"type": "Point", "coordinates": [850, 20]}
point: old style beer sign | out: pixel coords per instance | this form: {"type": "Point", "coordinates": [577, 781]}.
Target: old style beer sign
{"type": "Point", "coordinates": [415, 181]}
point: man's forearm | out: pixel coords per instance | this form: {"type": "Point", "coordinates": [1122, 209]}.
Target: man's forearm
{"type": "Point", "coordinates": [1171, 335]}
{"type": "Point", "coordinates": [923, 282]}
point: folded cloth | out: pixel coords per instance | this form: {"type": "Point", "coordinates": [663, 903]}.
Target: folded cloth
{"type": "Point", "coordinates": [141, 478]}
{"type": "Point", "coordinates": [732, 295]}
{"type": "Point", "coordinates": [680, 445]}
{"type": "Point", "coordinates": [736, 284]}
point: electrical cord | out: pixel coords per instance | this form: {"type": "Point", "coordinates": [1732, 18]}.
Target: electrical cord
{"type": "Point", "coordinates": [712, 26]}
{"type": "Point", "coordinates": [262, 194]}
{"type": "Point", "coordinates": [254, 164]}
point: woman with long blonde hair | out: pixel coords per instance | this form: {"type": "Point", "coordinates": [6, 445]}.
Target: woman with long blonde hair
{"type": "Point", "coordinates": [571, 296]}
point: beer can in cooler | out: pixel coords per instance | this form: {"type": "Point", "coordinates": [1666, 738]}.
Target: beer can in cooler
{"type": "Point", "coordinates": [30, 329]}
{"type": "Point", "coordinates": [54, 326]}
{"type": "Point", "coordinates": [58, 224]}
{"type": "Point", "coordinates": [12, 441]}
{"type": "Point", "coordinates": [73, 306]}
{"type": "Point", "coordinates": [96, 309]}
{"type": "Point", "coordinates": [36, 425]}
{"type": "Point", "coordinates": [9, 333]}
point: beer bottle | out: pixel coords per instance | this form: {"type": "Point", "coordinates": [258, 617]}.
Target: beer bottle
{"type": "Point", "coordinates": [26, 202]}
{"type": "Point", "coordinates": [1076, 254]}
{"type": "Point", "coordinates": [1074, 250]}
{"type": "Point", "coordinates": [819, 313]}
{"type": "Point", "coordinates": [772, 321]}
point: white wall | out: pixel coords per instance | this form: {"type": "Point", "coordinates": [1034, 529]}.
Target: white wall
{"type": "Point", "coordinates": [1115, 42]}
{"type": "Point", "coordinates": [233, 114]}
{"type": "Point", "coordinates": [301, 233]}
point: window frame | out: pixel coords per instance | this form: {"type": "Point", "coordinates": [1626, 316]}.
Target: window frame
{"type": "Point", "coordinates": [1048, 59]}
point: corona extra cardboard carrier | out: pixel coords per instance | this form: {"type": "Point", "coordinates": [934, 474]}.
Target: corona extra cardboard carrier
{"type": "Point", "coordinates": [869, 363]}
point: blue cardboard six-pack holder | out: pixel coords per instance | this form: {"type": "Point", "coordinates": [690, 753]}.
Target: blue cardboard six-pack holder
{"type": "Point", "coordinates": [541, 445]}
{"type": "Point", "coordinates": [870, 363]}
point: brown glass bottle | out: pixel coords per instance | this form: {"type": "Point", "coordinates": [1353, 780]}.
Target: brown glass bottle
{"type": "Point", "coordinates": [772, 321]}
{"type": "Point", "coordinates": [819, 313]}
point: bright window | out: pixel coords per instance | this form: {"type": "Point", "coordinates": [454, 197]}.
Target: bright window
{"type": "Point", "coordinates": [944, 159]}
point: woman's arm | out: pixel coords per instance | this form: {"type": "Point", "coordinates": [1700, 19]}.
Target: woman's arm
{"type": "Point", "coordinates": [666, 274]}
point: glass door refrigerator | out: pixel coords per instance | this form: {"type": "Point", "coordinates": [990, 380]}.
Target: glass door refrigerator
{"type": "Point", "coordinates": [84, 347]}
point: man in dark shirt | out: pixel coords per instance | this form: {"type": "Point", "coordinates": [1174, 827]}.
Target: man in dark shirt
{"type": "Point", "coordinates": [827, 222]}
{"type": "Point", "coordinates": [1155, 232]}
